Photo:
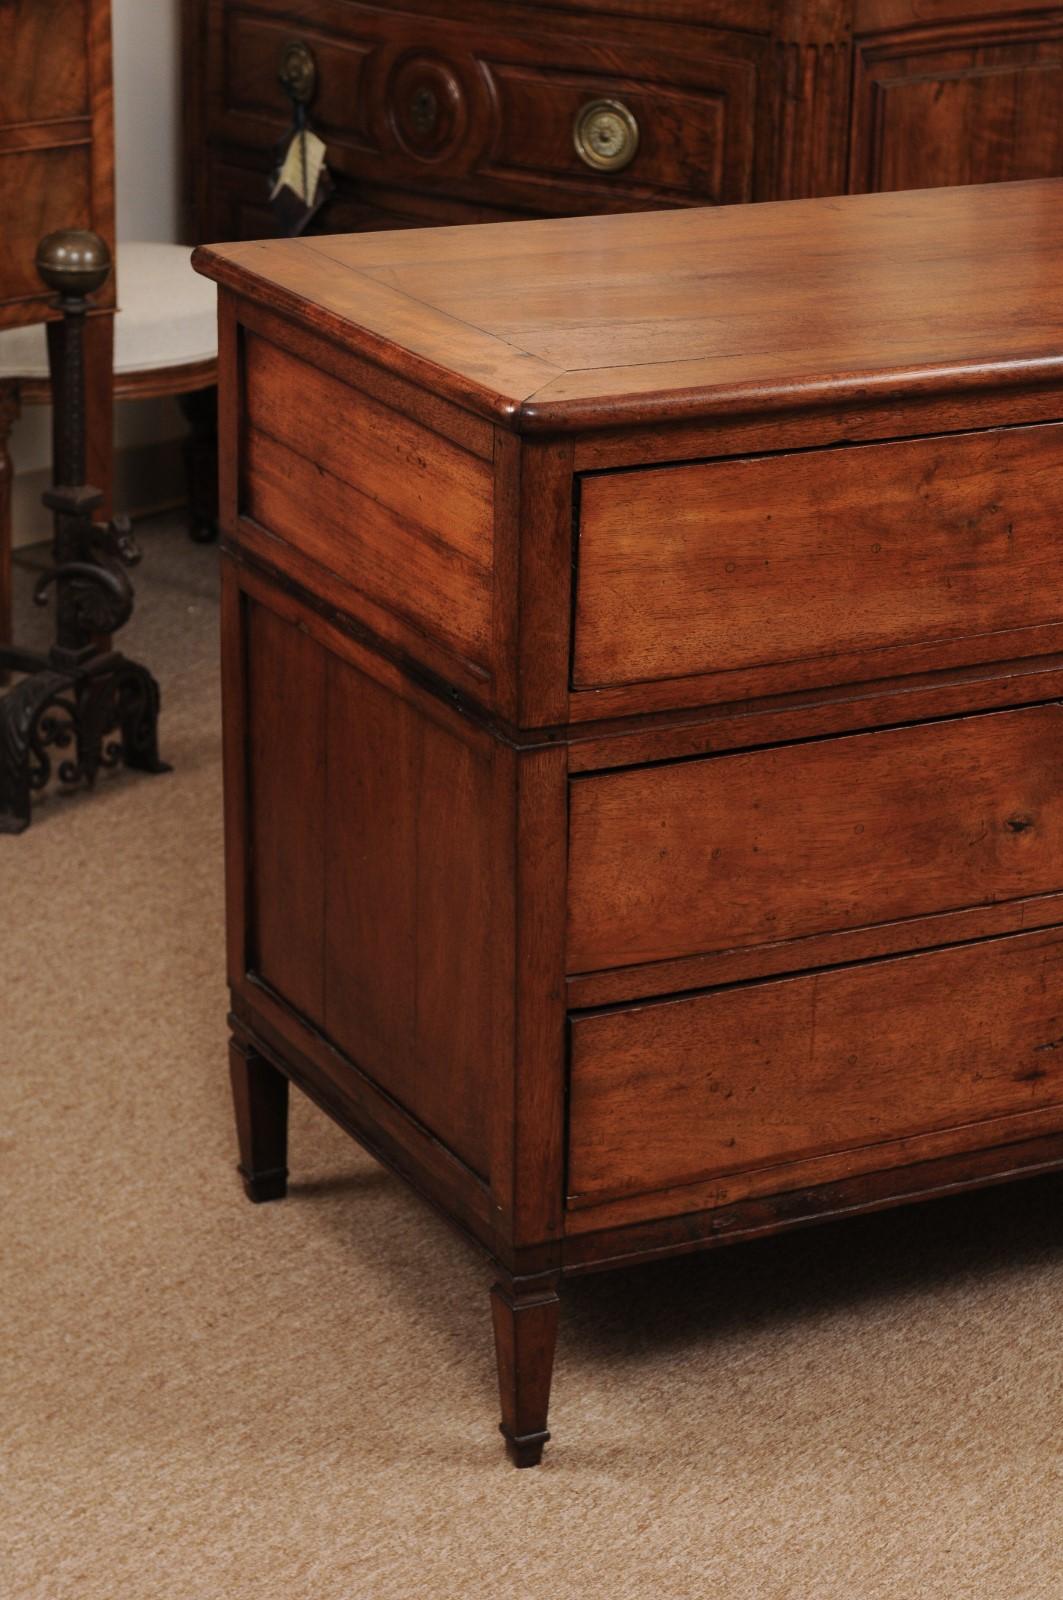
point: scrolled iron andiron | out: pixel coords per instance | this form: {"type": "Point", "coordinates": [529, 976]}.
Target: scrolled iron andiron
{"type": "Point", "coordinates": [81, 707]}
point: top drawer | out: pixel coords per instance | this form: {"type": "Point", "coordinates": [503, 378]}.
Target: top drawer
{"type": "Point", "coordinates": [515, 114]}
{"type": "Point", "coordinates": [822, 567]}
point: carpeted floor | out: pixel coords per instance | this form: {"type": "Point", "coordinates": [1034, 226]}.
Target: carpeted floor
{"type": "Point", "coordinates": [205, 1400]}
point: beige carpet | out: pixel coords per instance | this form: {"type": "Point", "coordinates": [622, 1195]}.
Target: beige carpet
{"type": "Point", "coordinates": [206, 1399]}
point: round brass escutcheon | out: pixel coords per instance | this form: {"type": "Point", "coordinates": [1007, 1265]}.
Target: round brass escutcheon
{"type": "Point", "coordinates": [606, 135]}
{"type": "Point", "coordinates": [298, 72]}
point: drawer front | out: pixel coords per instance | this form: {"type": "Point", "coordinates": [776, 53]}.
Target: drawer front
{"type": "Point", "coordinates": [805, 839]}
{"type": "Point", "coordinates": [883, 1058]}
{"type": "Point", "coordinates": [489, 114]}
{"type": "Point", "coordinates": [822, 566]}
{"type": "Point", "coordinates": [681, 130]}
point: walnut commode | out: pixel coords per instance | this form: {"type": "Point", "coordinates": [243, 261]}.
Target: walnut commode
{"type": "Point", "coordinates": [643, 676]}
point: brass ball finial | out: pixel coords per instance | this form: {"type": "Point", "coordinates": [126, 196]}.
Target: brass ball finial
{"type": "Point", "coordinates": [73, 261]}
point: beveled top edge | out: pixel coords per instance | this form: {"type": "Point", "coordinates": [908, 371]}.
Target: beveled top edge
{"type": "Point", "coordinates": [788, 305]}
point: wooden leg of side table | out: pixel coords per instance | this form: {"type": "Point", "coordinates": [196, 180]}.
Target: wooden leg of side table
{"type": "Point", "coordinates": [8, 414]}
{"type": "Point", "coordinates": [525, 1315]}
{"type": "Point", "coordinates": [260, 1100]}
{"type": "Point", "coordinates": [99, 408]}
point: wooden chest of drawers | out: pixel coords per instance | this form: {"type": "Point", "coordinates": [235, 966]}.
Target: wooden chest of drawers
{"type": "Point", "coordinates": [478, 111]}
{"type": "Point", "coordinates": [643, 648]}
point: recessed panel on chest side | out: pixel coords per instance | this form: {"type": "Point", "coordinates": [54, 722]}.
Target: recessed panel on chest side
{"type": "Point", "coordinates": [372, 835]}
{"type": "Point", "coordinates": [374, 499]}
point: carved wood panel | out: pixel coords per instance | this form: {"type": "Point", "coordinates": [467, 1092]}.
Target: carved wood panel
{"type": "Point", "coordinates": [974, 103]}
{"type": "Point", "coordinates": [56, 138]}
{"type": "Point", "coordinates": [468, 112]}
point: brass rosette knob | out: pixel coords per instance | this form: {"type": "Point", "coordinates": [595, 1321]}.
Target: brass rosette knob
{"type": "Point", "coordinates": [606, 135]}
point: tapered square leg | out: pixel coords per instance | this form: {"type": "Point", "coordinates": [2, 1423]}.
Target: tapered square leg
{"type": "Point", "coordinates": [525, 1315]}
{"type": "Point", "coordinates": [260, 1100]}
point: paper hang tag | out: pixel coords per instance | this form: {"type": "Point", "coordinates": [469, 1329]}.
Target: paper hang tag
{"type": "Point", "coordinates": [301, 168]}
{"type": "Point", "coordinates": [301, 181]}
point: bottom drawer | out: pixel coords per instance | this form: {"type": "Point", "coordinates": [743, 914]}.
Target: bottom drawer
{"type": "Point", "coordinates": [883, 1057]}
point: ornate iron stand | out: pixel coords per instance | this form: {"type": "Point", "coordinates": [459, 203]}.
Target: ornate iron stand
{"type": "Point", "coordinates": [80, 707]}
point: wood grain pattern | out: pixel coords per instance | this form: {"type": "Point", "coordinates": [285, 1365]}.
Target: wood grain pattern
{"type": "Point", "coordinates": [807, 838]}
{"type": "Point", "coordinates": [56, 140]}
{"type": "Point", "coordinates": [409, 919]}
{"type": "Point", "coordinates": [605, 1245]}
{"type": "Point", "coordinates": [9, 411]}
{"type": "Point", "coordinates": [958, 101]}
{"type": "Point", "coordinates": [544, 325]}
{"type": "Point", "coordinates": [525, 1320]}
{"type": "Point", "coordinates": [385, 1129]}
{"type": "Point", "coordinates": [813, 918]}
{"type": "Point", "coordinates": [286, 701]}
{"type": "Point", "coordinates": [57, 171]}
{"type": "Point", "coordinates": [776, 957]}
{"type": "Point", "coordinates": [405, 515]}
{"type": "Point", "coordinates": [464, 113]}
{"type": "Point", "coordinates": [537, 1109]}
{"type": "Point", "coordinates": [783, 559]}
{"type": "Point", "coordinates": [239, 881]}
{"type": "Point", "coordinates": [770, 1073]}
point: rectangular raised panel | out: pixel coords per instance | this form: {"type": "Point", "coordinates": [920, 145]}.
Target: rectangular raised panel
{"type": "Point", "coordinates": [776, 561]}
{"type": "Point", "coordinates": [45, 70]}
{"type": "Point", "coordinates": [403, 515]}
{"type": "Point", "coordinates": [375, 908]}
{"type": "Point", "coordinates": [477, 115]}
{"type": "Point", "coordinates": [857, 1058]}
{"type": "Point", "coordinates": [965, 104]}
{"type": "Point", "coordinates": [40, 191]}
{"type": "Point", "coordinates": [811, 838]}
{"type": "Point", "coordinates": [411, 921]}
{"type": "Point", "coordinates": [694, 122]}
{"type": "Point", "coordinates": [286, 799]}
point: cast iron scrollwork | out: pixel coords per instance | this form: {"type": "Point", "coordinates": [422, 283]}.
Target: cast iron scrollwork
{"type": "Point", "coordinates": [37, 717]}
{"type": "Point", "coordinates": [95, 595]}
{"type": "Point", "coordinates": [102, 717]}
{"type": "Point", "coordinates": [82, 707]}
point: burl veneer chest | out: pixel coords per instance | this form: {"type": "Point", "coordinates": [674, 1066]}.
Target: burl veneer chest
{"type": "Point", "coordinates": [643, 645]}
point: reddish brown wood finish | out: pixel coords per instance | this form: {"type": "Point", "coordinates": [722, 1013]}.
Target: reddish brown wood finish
{"type": "Point", "coordinates": [960, 535]}
{"type": "Point", "coordinates": [466, 112]}
{"type": "Point", "coordinates": [286, 688]}
{"type": "Point", "coordinates": [260, 1100]}
{"type": "Point", "coordinates": [852, 1062]}
{"type": "Point", "coordinates": [56, 171]}
{"type": "Point", "coordinates": [614, 972]}
{"type": "Point", "coordinates": [971, 97]}
{"type": "Point", "coordinates": [805, 839]}
{"type": "Point", "coordinates": [778, 308]}
{"type": "Point", "coordinates": [402, 513]}
{"type": "Point", "coordinates": [525, 1315]}
{"type": "Point", "coordinates": [56, 139]}
{"type": "Point", "coordinates": [9, 410]}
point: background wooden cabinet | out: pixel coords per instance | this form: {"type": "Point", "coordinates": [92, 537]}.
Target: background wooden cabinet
{"type": "Point", "coordinates": [968, 102]}
{"type": "Point", "coordinates": [56, 140]}
{"type": "Point", "coordinates": [470, 116]}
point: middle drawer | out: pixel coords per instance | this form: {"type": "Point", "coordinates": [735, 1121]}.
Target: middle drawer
{"type": "Point", "coordinates": [848, 831]}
